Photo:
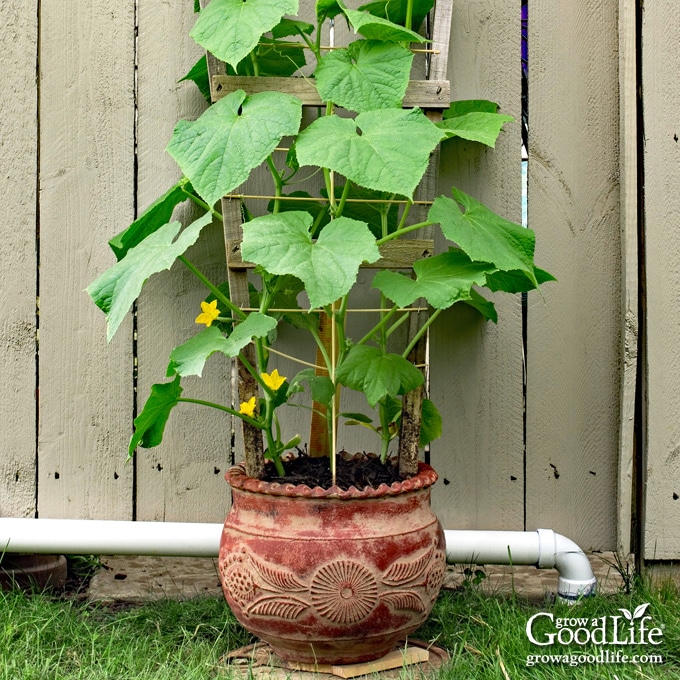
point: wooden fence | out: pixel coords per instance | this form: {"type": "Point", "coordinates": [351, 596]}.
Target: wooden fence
{"type": "Point", "coordinates": [90, 100]}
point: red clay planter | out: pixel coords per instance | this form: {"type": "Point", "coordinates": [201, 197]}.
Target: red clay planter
{"type": "Point", "coordinates": [331, 576]}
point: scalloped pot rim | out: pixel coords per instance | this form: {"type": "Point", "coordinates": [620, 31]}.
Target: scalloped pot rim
{"type": "Point", "coordinates": [238, 479]}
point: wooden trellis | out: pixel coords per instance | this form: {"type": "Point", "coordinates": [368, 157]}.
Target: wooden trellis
{"type": "Point", "coordinates": [432, 95]}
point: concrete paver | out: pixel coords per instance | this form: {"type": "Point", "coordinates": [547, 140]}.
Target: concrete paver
{"type": "Point", "coordinates": [137, 579]}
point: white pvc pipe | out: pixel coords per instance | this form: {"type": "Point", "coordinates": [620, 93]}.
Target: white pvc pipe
{"type": "Point", "coordinates": [109, 537]}
{"type": "Point", "coordinates": [542, 548]}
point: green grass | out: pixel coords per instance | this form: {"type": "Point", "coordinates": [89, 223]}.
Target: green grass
{"type": "Point", "coordinates": [43, 638]}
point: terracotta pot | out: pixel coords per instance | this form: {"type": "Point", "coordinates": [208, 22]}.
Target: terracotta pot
{"type": "Point", "coordinates": [331, 576]}
{"type": "Point", "coordinates": [32, 571]}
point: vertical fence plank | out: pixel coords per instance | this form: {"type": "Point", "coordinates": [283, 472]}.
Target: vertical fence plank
{"type": "Point", "coordinates": [574, 336]}
{"type": "Point", "coordinates": [182, 479]}
{"type": "Point", "coordinates": [86, 174]}
{"type": "Point", "coordinates": [661, 95]}
{"type": "Point", "coordinates": [18, 182]}
{"type": "Point", "coordinates": [628, 163]}
{"type": "Point", "coordinates": [476, 368]}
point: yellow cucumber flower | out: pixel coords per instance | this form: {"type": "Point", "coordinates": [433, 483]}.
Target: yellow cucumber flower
{"type": "Point", "coordinates": [248, 407]}
{"type": "Point", "coordinates": [273, 380]}
{"type": "Point", "coordinates": [209, 313]}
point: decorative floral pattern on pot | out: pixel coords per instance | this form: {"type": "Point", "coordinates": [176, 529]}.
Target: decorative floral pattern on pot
{"type": "Point", "coordinates": [341, 591]}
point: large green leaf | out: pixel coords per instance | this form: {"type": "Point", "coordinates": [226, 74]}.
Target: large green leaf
{"type": "Point", "coordinates": [190, 357]}
{"type": "Point", "coordinates": [368, 370]}
{"type": "Point", "coordinates": [484, 235]}
{"type": "Point", "coordinates": [231, 29]}
{"type": "Point", "coordinates": [153, 218]}
{"type": "Point", "coordinates": [395, 10]}
{"type": "Point", "coordinates": [377, 28]}
{"type": "Point", "coordinates": [475, 126]}
{"type": "Point", "coordinates": [150, 423]}
{"type": "Point", "coordinates": [118, 287]}
{"type": "Point", "coordinates": [386, 150]}
{"type": "Point", "coordinates": [218, 150]}
{"type": "Point", "coordinates": [364, 76]}
{"type": "Point", "coordinates": [282, 244]}
{"type": "Point", "coordinates": [442, 280]}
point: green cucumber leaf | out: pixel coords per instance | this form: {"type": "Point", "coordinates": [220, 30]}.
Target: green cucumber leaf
{"type": "Point", "coordinates": [485, 307]}
{"type": "Point", "coordinates": [328, 9]}
{"type": "Point", "coordinates": [364, 76]}
{"type": "Point", "coordinates": [231, 29]}
{"type": "Point", "coordinates": [463, 106]}
{"type": "Point", "coordinates": [475, 126]}
{"type": "Point", "coordinates": [150, 423]}
{"type": "Point", "coordinates": [189, 358]}
{"type": "Point", "coordinates": [517, 281]}
{"type": "Point", "coordinates": [154, 217]}
{"type": "Point", "coordinates": [218, 150]}
{"type": "Point", "coordinates": [287, 27]}
{"type": "Point", "coordinates": [199, 75]}
{"type": "Point", "coordinates": [118, 287]}
{"type": "Point", "coordinates": [282, 244]}
{"type": "Point", "coordinates": [484, 235]}
{"type": "Point", "coordinates": [395, 11]}
{"type": "Point", "coordinates": [321, 386]}
{"type": "Point", "coordinates": [368, 370]}
{"type": "Point", "coordinates": [431, 423]}
{"type": "Point", "coordinates": [377, 28]}
{"type": "Point", "coordinates": [442, 280]}
{"type": "Point", "coordinates": [387, 150]}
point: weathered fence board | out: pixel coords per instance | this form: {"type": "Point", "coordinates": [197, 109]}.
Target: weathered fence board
{"type": "Point", "coordinates": [18, 266]}
{"type": "Point", "coordinates": [476, 368]}
{"type": "Point", "coordinates": [574, 336]}
{"type": "Point", "coordinates": [182, 479]}
{"type": "Point", "coordinates": [661, 95]}
{"type": "Point", "coordinates": [628, 172]}
{"type": "Point", "coordinates": [86, 191]}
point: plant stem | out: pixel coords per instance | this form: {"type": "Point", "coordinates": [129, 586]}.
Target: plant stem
{"type": "Point", "coordinates": [212, 287]}
{"type": "Point", "coordinates": [201, 203]}
{"type": "Point", "coordinates": [322, 349]}
{"type": "Point", "coordinates": [278, 184]}
{"type": "Point", "coordinates": [226, 409]}
{"type": "Point", "coordinates": [406, 230]}
{"type": "Point", "coordinates": [420, 333]}
{"type": "Point", "coordinates": [343, 198]}
{"type": "Point", "coordinates": [407, 209]}
{"type": "Point", "coordinates": [409, 14]}
{"type": "Point", "coordinates": [378, 326]}
{"type": "Point", "coordinates": [256, 66]}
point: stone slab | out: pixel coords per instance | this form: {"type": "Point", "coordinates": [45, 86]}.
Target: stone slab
{"type": "Point", "coordinates": [137, 579]}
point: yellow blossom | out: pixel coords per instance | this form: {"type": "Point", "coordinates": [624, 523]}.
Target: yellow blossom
{"type": "Point", "coordinates": [248, 407]}
{"type": "Point", "coordinates": [273, 380]}
{"type": "Point", "coordinates": [209, 313]}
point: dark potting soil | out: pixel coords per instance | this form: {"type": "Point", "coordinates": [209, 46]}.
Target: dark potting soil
{"type": "Point", "coordinates": [357, 471]}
